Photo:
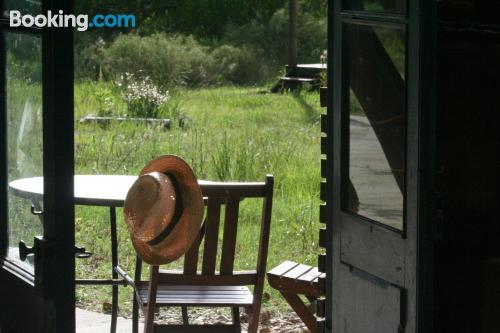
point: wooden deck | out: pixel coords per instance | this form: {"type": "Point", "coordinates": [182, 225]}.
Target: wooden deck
{"type": "Point", "coordinates": [315, 66]}
{"type": "Point", "coordinates": [298, 75]}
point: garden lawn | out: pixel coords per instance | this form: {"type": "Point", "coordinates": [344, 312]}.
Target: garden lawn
{"type": "Point", "coordinates": [231, 133]}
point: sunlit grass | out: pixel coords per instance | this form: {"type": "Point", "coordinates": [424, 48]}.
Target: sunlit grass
{"type": "Point", "coordinates": [232, 133]}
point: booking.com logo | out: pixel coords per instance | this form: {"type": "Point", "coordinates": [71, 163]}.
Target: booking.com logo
{"type": "Point", "coordinates": [81, 22]}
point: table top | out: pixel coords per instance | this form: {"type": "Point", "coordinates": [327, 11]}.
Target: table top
{"type": "Point", "coordinates": [90, 190]}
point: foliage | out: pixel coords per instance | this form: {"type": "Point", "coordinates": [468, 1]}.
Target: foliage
{"type": "Point", "coordinates": [144, 99]}
{"type": "Point", "coordinates": [237, 65]}
{"type": "Point", "coordinates": [105, 102]}
{"type": "Point", "coordinates": [235, 134]}
{"type": "Point", "coordinates": [250, 36]}
{"type": "Point", "coordinates": [24, 151]}
{"type": "Point", "coordinates": [172, 61]}
{"type": "Point", "coordinates": [24, 57]}
{"type": "Point", "coordinates": [88, 60]}
{"type": "Point", "coordinates": [269, 40]}
{"type": "Point", "coordinates": [166, 60]}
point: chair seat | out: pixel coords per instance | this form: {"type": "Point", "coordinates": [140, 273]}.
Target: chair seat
{"type": "Point", "coordinates": [294, 278]}
{"type": "Point", "coordinates": [210, 296]}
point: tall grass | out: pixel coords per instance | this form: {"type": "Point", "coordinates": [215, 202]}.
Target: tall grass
{"type": "Point", "coordinates": [238, 134]}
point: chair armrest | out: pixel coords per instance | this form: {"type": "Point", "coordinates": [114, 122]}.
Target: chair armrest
{"type": "Point", "coordinates": [125, 276]}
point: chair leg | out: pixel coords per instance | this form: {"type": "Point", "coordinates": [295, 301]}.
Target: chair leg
{"type": "Point", "coordinates": [185, 315]}
{"type": "Point", "coordinates": [135, 315]}
{"type": "Point", "coordinates": [253, 320]}
{"type": "Point", "coordinates": [236, 319]}
{"type": "Point", "coordinates": [114, 309]}
{"type": "Point", "coordinates": [151, 307]}
{"type": "Point", "coordinates": [114, 274]}
{"type": "Point", "coordinates": [135, 306]}
{"type": "Point", "coordinates": [301, 309]}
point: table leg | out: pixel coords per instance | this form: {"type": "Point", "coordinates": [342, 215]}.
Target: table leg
{"type": "Point", "coordinates": [301, 309]}
{"type": "Point", "coordinates": [114, 263]}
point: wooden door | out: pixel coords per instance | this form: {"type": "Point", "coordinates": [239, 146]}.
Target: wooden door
{"type": "Point", "coordinates": [379, 166]}
{"type": "Point", "coordinates": [36, 127]}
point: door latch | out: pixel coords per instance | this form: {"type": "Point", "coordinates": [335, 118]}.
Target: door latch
{"type": "Point", "coordinates": [24, 250]}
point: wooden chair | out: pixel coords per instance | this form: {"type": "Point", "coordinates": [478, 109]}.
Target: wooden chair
{"type": "Point", "coordinates": [207, 287]}
{"type": "Point", "coordinates": [292, 280]}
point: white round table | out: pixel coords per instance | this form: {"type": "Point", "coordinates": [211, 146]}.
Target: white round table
{"type": "Point", "coordinates": [90, 190]}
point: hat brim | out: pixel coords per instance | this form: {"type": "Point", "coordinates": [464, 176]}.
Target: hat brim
{"type": "Point", "coordinates": [186, 230]}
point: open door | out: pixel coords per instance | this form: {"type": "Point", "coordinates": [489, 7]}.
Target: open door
{"type": "Point", "coordinates": [379, 166]}
{"type": "Point", "coordinates": [36, 127]}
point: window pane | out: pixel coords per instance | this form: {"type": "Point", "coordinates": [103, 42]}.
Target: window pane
{"type": "Point", "coordinates": [24, 135]}
{"type": "Point", "coordinates": [377, 103]}
{"type": "Point", "coordinates": [377, 6]}
{"type": "Point", "coordinates": [24, 6]}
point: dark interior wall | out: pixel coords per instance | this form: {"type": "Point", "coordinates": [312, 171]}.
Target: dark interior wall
{"type": "Point", "coordinates": [468, 150]}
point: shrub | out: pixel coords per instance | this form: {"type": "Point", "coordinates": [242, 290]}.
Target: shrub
{"type": "Point", "coordinates": [166, 60]}
{"type": "Point", "coordinates": [105, 102]}
{"type": "Point", "coordinates": [269, 40]}
{"type": "Point", "coordinates": [88, 60]}
{"type": "Point", "coordinates": [144, 99]}
{"type": "Point", "coordinates": [237, 65]}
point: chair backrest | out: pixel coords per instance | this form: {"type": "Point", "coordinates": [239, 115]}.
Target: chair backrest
{"type": "Point", "coordinates": [226, 197]}
{"type": "Point", "coordinates": [222, 200]}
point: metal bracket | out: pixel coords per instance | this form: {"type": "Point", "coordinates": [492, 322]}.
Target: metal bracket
{"type": "Point", "coordinates": [35, 211]}
{"type": "Point", "coordinates": [24, 250]}
{"type": "Point", "coordinates": [81, 253]}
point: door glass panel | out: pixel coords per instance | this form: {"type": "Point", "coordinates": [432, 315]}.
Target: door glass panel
{"type": "Point", "coordinates": [376, 72]}
{"type": "Point", "coordinates": [377, 6]}
{"type": "Point", "coordinates": [24, 137]}
{"type": "Point", "coordinates": [24, 6]}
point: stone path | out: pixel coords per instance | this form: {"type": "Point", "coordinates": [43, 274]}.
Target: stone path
{"type": "Point", "coordinates": [93, 322]}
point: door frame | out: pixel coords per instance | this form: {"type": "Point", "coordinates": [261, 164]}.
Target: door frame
{"type": "Point", "coordinates": [420, 148]}
{"type": "Point", "coordinates": [47, 298]}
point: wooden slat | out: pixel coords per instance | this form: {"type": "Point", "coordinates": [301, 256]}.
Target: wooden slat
{"type": "Point", "coordinates": [322, 238]}
{"type": "Point", "coordinates": [320, 307]}
{"type": "Point", "coordinates": [222, 190]}
{"type": "Point", "coordinates": [324, 123]}
{"type": "Point", "coordinates": [199, 296]}
{"type": "Point", "coordinates": [310, 276]}
{"type": "Point", "coordinates": [322, 263]}
{"type": "Point", "coordinates": [323, 213]}
{"type": "Point", "coordinates": [323, 191]}
{"type": "Point", "coordinates": [144, 284]}
{"type": "Point", "coordinates": [323, 96]}
{"type": "Point", "coordinates": [294, 286]}
{"type": "Point", "coordinates": [324, 168]}
{"type": "Point", "coordinates": [322, 284]}
{"type": "Point", "coordinates": [211, 236]}
{"type": "Point", "coordinates": [230, 234]}
{"type": "Point", "coordinates": [191, 257]}
{"type": "Point", "coordinates": [283, 268]}
{"type": "Point", "coordinates": [324, 145]}
{"type": "Point", "coordinates": [321, 326]}
{"type": "Point", "coordinates": [297, 271]}
{"type": "Point", "coordinates": [219, 328]}
{"type": "Point", "coordinates": [302, 311]}
{"type": "Point", "coordinates": [236, 279]}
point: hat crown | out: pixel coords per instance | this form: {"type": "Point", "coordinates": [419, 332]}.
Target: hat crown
{"type": "Point", "coordinates": [154, 199]}
{"type": "Point", "coordinates": [169, 193]}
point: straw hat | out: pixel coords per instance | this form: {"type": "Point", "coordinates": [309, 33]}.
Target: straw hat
{"type": "Point", "coordinates": [164, 210]}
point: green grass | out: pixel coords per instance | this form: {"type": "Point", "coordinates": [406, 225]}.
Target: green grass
{"type": "Point", "coordinates": [233, 133]}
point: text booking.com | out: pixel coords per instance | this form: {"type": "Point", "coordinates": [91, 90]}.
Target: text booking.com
{"type": "Point", "coordinates": [81, 22]}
